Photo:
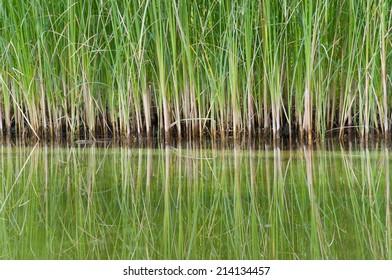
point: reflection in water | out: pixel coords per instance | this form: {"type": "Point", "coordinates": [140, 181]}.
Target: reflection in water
{"type": "Point", "coordinates": [194, 203]}
{"type": "Point", "coordinates": [388, 243]}
{"type": "Point", "coordinates": [318, 241]}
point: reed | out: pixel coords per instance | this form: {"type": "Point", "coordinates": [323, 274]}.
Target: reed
{"type": "Point", "coordinates": [147, 67]}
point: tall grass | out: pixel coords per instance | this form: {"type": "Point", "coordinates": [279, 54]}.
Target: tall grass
{"type": "Point", "coordinates": [150, 67]}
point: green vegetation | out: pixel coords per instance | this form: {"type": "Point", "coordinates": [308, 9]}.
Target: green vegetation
{"type": "Point", "coordinates": [186, 68]}
{"type": "Point", "coordinates": [194, 203]}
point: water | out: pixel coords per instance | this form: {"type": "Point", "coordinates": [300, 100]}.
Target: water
{"type": "Point", "coordinates": [90, 202]}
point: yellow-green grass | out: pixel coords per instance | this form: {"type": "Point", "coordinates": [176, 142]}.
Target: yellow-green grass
{"type": "Point", "coordinates": [190, 68]}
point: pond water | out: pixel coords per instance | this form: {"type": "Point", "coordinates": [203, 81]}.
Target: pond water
{"type": "Point", "coordinates": [187, 202]}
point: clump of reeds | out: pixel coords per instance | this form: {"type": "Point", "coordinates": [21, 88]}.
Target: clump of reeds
{"type": "Point", "coordinates": [187, 68]}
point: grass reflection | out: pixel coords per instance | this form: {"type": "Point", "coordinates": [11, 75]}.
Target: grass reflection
{"type": "Point", "coordinates": [194, 203]}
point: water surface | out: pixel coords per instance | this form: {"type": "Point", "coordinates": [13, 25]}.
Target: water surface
{"type": "Point", "coordinates": [90, 202]}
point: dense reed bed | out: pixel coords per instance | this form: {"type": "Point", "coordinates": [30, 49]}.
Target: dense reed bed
{"type": "Point", "coordinates": [176, 203]}
{"type": "Point", "coordinates": [188, 68]}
